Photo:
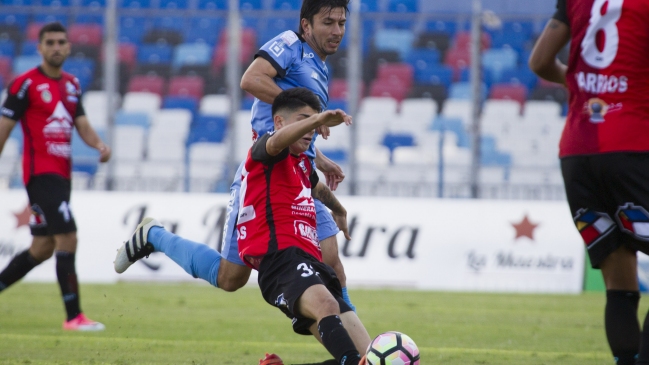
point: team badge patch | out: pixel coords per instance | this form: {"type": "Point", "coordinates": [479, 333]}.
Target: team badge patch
{"type": "Point", "coordinates": [37, 219]}
{"type": "Point", "coordinates": [277, 48]}
{"type": "Point", "coordinates": [46, 96]}
{"type": "Point", "coordinates": [634, 220]}
{"type": "Point", "coordinates": [593, 225]}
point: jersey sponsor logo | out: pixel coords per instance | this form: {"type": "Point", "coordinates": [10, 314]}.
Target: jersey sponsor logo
{"type": "Point", "coordinates": [314, 75]}
{"type": "Point", "coordinates": [42, 87]}
{"type": "Point", "coordinates": [7, 112]}
{"type": "Point", "coordinates": [73, 99]}
{"type": "Point", "coordinates": [634, 220]}
{"type": "Point", "coordinates": [601, 84]}
{"type": "Point", "coordinates": [59, 149]}
{"type": "Point", "coordinates": [46, 96]}
{"type": "Point", "coordinates": [308, 55]}
{"type": "Point", "coordinates": [306, 231]}
{"type": "Point", "coordinates": [246, 214]}
{"type": "Point", "coordinates": [597, 108]}
{"type": "Point", "coordinates": [277, 48]}
{"type": "Point", "coordinates": [304, 198]}
{"type": "Point", "coordinates": [59, 124]}
{"type": "Point", "coordinates": [23, 89]}
{"type": "Point", "coordinates": [289, 37]}
{"type": "Point", "coordinates": [593, 225]}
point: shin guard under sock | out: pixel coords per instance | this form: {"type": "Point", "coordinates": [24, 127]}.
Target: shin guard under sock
{"type": "Point", "coordinates": [67, 276]}
{"type": "Point", "coordinates": [337, 341]}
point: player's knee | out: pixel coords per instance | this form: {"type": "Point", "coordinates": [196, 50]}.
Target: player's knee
{"type": "Point", "coordinates": [231, 284]}
{"type": "Point", "coordinates": [329, 307]}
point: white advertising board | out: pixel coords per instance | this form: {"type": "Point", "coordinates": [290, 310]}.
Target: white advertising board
{"type": "Point", "coordinates": [502, 246]}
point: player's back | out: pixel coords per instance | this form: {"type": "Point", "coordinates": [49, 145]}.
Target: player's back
{"type": "Point", "coordinates": [608, 77]}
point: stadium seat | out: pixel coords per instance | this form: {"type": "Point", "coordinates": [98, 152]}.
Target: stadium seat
{"type": "Point", "coordinates": [513, 34]}
{"type": "Point", "coordinates": [154, 53]}
{"type": "Point", "coordinates": [502, 109]}
{"type": "Point", "coordinates": [161, 174]}
{"type": "Point", "coordinates": [555, 93]}
{"type": "Point", "coordinates": [274, 27]}
{"type": "Point", "coordinates": [191, 86]}
{"type": "Point", "coordinates": [7, 48]}
{"type": "Point", "coordinates": [418, 111]}
{"type": "Point", "coordinates": [32, 31]}
{"type": "Point", "coordinates": [392, 141]}
{"type": "Point", "coordinates": [541, 110]}
{"type": "Point", "coordinates": [163, 36]}
{"type": "Point", "coordinates": [463, 90]}
{"type": "Point", "coordinates": [522, 75]}
{"type": "Point", "coordinates": [415, 155]}
{"type": "Point", "coordinates": [454, 125]}
{"type": "Point", "coordinates": [338, 89]}
{"type": "Point", "coordinates": [496, 61]}
{"type": "Point", "coordinates": [135, 4]}
{"type": "Point", "coordinates": [445, 26]}
{"type": "Point", "coordinates": [128, 143]}
{"type": "Point", "coordinates": [509, 92]}
{"type": "Point", "coordinates": [399, 40]}
{"type": "Point", "coordinates": [22, 64]}
{"type": "Point", "coordinates": [86, 51]}
{"type": "Point", "coordinates": [423, 57]}
{"type": "Point", "coordinates": [207, 128]}
{"type": "Point", "coordinates": [153, 69]}
{"type": "Point", "coordinates": [248, 48]}
{"type": "Point", "coordinates": [376, 58]}
{"type": "Point", "coordinates": [151, 84]}
{"type": "Point", "coordinates": [368, 6]}
{"type": "Point", "coordinates": [206, 163]}
{"type": "Point", "coordinates": [180, 102]}
{"type": "Point", "coordinates": [459, 59]}
{"type": "Point", "coordinates": [83, 69]}
{"type": "Point", "coordinates": [141, 101]}
{"type": "Point", "coordinates": [5, 69]}
{"type": "Point", "coordinates": [388, 88]}
{"type": "Point", "coordinates": [250, 4]}
{"type": "Point", "coordinates": [140, 119]}
{"type": "Point", "coordinates": [84, 157]}
{"type": "Point", "coordinates": [436, 92]}
{"type": "Point", "coordinates": [204, 30]}
{"type": "Point", "coordinates": [376, 155]}
{"type": "Point", "coordinates": [434, 75]}
{"type": "Point", "coordinates": [132, 29]}
{"type": "Point", "coordinates": [396, 73]}
{"type": "Point", "coordinates": [167, 136]}
{"type": "Point", "coordinates": [287, 4]}
{"type": "Point", "coordinates": [174, 4]}
{"type": "Point", "coordinates": [218, 104]}
{"type": "Point", "coordinates": [403, 6]}
{"type": "Point", "coordinates": [11, 32]}
{"type": "Point", "coordinates": [94, 5]}
{"type": "Point", "coordinates": [212, 4]}
{"type": "Point", "coordinates": [11, 21]}
{"type": "Point", "coordinates": [127, 53]}
{"type": "Point", "coordinates": [463, 40]}
{"type": "Point", "coordinates": [192, 54]}
{"type": "Point", "coordinates": [49, 18]}
{"type": "Point", "coordinates": [202, 71]}
{"type": "Point", "coordinates": [90, 34]}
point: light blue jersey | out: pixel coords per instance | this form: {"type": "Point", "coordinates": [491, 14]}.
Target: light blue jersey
{"type": "Point", "coordinates": [297, 65]}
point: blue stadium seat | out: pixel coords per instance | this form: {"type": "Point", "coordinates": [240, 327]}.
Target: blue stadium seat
{"type": "Point", "coordinates": [489, 154]}
{"type": "Point", "coordinates": [287, 4]}
{"type": "Point", "coordinates": [250, 4]}
{"type": "Point", "coordinates": [82, 68]}
{"type": "Point", "coordinates": [14, 19]}
{"type": "Point", "coordinates": [462, 90]}
{"type": "Point", "coordinates": [95, 4]}
{"type": "Point", "coordinates": [85, 158]}
{"type": "Point", "coordinates": [154, 53]}
{"type": "Point", "coordinates": [465, 76]}
{"type": "Point", "coordinates": [29, 48]}
{"type": "Point", "coordinates": [204, 30]}
{"type": "Point", "coordinates": [213, 4]}
{"type": "Point", "coordinates": [434, 75]}
{"type": "Point", "coordinates": [135, 4]}
{"type": "Point", "coordinates": [403, 6]}
{"type": "Point", "coordinates": [521, 75]}
{"type": "Point", "coordinates": [48, 18]}
{"type": "Point", "coordinates": [246, 103]}
{"type": "Point", "coordinates": [337, 104]}
{"type": "Point", "coordinates": [250, 22]}
{"type": "Point", "coordinates": [496, 61]}
{"type": "Point", "coordinates": [192, 54]}
{"type": "Point", "coordinates": [169, 22]}
{"type": "Point", "coordinates": [17, 2]}
{"type": "Point", "coordinates": [338, 155]}
{"type": "Point", "coordinates": [398, 23]}
{"type": "Point", "coordinates": [17, 134]}
{"type": "Point", "coordinates": [132, 118]}
{"type": "Point", "coordinates": [174, 4]}
{"type": "Point", "coordinates": [207, 128]}
{"type": "Point", "coordinates": [181, 102]}
{"type": "Point", "coordinates": [423, 58]}
{"type": "Point", "coordinates": [449, 27]}
{"type": "Point", "coordinates": [55, 3]}
{"type": "Point", "coordinates": [453, 125]}
{"type": "Point", "coordinates": [393, 140]}
{"type": "Point", "coordinates": [369, 6]}
{"type": "Point", "coordinates": [394, 40]}
{"type": "Point", "coordinates": [7, 48]}
{"type": "Point", "coordinates": [89, 19]}
{"type": "Point", "coordinates": [25, 63]}
{"type": "Point", "coordinates": [275, 27]}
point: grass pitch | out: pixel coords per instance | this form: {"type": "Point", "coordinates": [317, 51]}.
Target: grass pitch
{"type": "Point", "coordinates": [197, 324]}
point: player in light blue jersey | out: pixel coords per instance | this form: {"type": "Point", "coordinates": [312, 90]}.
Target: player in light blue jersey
{"type": "Point", "coordinates": [291, 60]}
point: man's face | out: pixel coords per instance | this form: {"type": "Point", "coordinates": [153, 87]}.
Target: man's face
{"type": "Point", "coordinates": [327, 30]}
{"type": "Point", "coordinates": [55, 48]}
{"type": "Point", "coordinates": [289, 118]}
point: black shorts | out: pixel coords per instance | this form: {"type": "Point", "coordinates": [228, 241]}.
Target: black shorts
{"type": "Point", "coordinates": [285, 275]}
{"type": "Point", "coordinates": [608, 196]}
{"type": "Point", "coordinates": [49, 198]}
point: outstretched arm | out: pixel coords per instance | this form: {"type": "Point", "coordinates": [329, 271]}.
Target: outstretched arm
{"type": "Point", "coordinates": [90, 137]}
{"type": "Point", "coordinates": [543, 60]}
{"type": "Point", "coordinates": [6, 125]}
{"type": "Point", "coordinates": [338, 212]}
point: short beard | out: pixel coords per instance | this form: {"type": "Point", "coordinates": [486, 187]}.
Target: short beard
{"type": "Point", "coordinates": [55, 64]}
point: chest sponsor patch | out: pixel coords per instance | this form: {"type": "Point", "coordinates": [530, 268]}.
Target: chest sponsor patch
{"type": "Point", "coordinates": [306, 231]}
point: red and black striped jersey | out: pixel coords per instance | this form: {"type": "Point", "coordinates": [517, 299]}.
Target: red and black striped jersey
{"type": "Point", "coordinates": [46, 108]}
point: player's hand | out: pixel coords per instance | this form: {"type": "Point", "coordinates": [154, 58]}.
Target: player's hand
{"type": "Point", "coordinates": [333, 173]}
{"type": "Point", "coordinates": [332, 118]}
{"type": "Point", "coordinates": [341, 221]}
{"type": "Point", "coordinates": [323, 131]}
{"type": "Point", "coordinates": [104, 153]}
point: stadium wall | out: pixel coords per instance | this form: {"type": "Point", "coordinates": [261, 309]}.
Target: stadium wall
{"type": "Point", "coordinates": [428, 244]}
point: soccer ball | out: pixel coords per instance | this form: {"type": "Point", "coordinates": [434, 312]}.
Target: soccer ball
{"type": "Point", "coordinates": [392, 348]}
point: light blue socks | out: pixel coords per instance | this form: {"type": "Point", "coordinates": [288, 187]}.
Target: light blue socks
{"type": "Point", "coordinates": [197, 259]}
{"type": "Point", "coordinates": [347, 300]}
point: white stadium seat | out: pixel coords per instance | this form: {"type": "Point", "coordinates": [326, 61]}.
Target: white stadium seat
{"type": "Point", "coordinates": [142, 102]}
{"type": "Point", "coordinates": [215, 104]}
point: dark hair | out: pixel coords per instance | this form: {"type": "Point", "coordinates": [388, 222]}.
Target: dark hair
{"type": "Point", "coordinates": [296, 98]}
{"type": "Point", "coordinates": [312, 7]}
{"type": "Point", "coordinates": [51, 27]}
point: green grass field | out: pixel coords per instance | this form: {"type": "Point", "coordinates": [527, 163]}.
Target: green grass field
{"type": "Point", "coordinates": [197, 324]}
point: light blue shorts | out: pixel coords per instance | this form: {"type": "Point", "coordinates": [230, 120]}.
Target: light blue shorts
{"type": "Point", "coordinates": [326, 227]}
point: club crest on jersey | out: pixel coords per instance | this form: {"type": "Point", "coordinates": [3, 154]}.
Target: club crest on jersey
{"type": "Point", "coordinates": [593, 225]}
{"type": "Point", "coordinates": [277, 48]}
{"type": "Point", "coordinates": [70, 88]}
{"type": "Point", "coordinates": [37, 219]}
{"type": "Point", "coordinates": [634, 220]}
{"type": "Point", "coordinates": [597, 108]}
{"type": "Point", "coordinates": [46, 96]}
{"type": "Point", "coordinates": [281, 302]}
{"type": "Point", "coordinates": [302, 166]}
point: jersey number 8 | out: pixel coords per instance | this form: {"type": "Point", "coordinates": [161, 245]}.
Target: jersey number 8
{"type": "Point", "coordinates": [600, 44]}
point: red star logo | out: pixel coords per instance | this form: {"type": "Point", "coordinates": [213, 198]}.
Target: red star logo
{"type": "Point", "coordinates": [22, 218]}
{"type": "Point", "coordinates": [525, 228]}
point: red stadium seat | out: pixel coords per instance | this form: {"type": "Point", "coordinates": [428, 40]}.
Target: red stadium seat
{"type": "Point", "coordinates": [5, 69]}
{"type": "Point", "coordinates": [248, 49]}
{"type": "Point", "coordinates": [32, 31]}
{"type": "Point", "coordinates": [399, 71]}
{"type": "Point", "coordinates": [458, 59]}
{"type": "Point", "coordinates": [128, 54]}
{"type": "Point", "coordinates": [152, 84]}
{"type": "Point", "coordinates": [89, 34]}
{"type": "Point", "coordinates": [389, 88]}
{"type": "Point", "coordinates": [338, 89]}
{"type": "Point", "coordinates": [463, 40]}
{"type": "Point", "coordinates": [516, 92]}
{"type": "Point", "coordinates": [191, 86]}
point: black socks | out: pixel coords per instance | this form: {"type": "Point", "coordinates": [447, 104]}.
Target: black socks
{"type": "Point", "coordinates": [18, 267]}
{"type": "Point", "coordinates": [337, 341]}
{"type": "Point", "coordinates": [67, 276]}
{"type": "Point", "coordinates": [622, 326]}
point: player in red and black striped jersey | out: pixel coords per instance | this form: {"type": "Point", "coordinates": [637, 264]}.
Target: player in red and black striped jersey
{"type": "Point", "coordinates": [604, 148]}
{"type": "Point", "coordinates": [47, 103]}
